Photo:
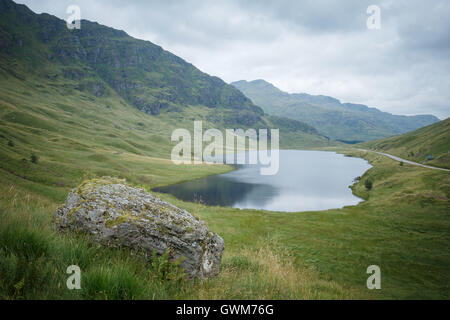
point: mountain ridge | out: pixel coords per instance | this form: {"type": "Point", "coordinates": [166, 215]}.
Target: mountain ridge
{"type": "Point", "coordinates": [341, 121]}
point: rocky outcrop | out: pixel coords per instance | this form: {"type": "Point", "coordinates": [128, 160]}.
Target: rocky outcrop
{"type": "Point", "coordinates": [116, 214]}
{"type": "Point", "coordinates": [97, 88]}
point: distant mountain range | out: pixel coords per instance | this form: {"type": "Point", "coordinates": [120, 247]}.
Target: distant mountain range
{"type": "Point", "coordinates": [347, 122]}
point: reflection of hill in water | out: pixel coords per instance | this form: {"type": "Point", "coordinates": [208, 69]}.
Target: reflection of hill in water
{"type": "Point", "coordinates": [216, 190]}
{"type": "Point", "coordinates": [306, 181]}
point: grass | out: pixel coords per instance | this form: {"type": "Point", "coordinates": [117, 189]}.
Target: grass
{"type": "Point", "coordinates": [34, 258]}
{"type": "Point", "coordinates": [418, 145]}
{"type": "Point", "coordinates": [403, 226]}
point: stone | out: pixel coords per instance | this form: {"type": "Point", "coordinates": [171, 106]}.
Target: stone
{"type": "Point", "coordinates": [116, 214]}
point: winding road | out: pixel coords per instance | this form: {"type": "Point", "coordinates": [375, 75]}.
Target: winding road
{"type": "Point", "coordinates": [405, 161]}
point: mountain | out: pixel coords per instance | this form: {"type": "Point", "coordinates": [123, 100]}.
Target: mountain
{"type": "Point", "coordinates": [43, 64]}
{"type": "Point", "coordinates": [345, 122]}
{"type": "Point", "coordinates": [430, 144]}
{"type": "Point", "coordinates": [98, 58]}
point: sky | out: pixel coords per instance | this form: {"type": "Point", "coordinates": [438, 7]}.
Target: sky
{"type": "Point", "coordinates": [311, 46]}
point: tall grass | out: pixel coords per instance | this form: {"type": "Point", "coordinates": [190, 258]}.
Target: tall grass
{"type": "Point", "coordinates": [403, 227]}
{"type": "Point", "coordinates": [34, 259]}
{"type": "Point", "coordinates": [269, 273]}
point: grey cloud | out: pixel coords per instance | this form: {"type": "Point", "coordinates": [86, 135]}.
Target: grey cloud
{"type": "Point", "coordinates": [315, 16]}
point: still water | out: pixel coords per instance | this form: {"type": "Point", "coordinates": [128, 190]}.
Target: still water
{"type": "Point", "coordinates": [306, 180]}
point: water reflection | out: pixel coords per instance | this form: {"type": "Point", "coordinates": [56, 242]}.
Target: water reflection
{"type": "Point", "coordinates": [219, 190]}
{"type": "Point", "coordinates": [307, 180]}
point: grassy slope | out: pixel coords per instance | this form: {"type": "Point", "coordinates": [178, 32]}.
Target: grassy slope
{"type": "Point", "coordinates": [403, 227]}
{"type": "Point", "coordinates": [76, 137]}
{"type": "Point", "coordinates": [268, 255]}
{"type": "Point", "coordinates": [417, 145]}
{"type": "Point", "coordinates": [76, 134]}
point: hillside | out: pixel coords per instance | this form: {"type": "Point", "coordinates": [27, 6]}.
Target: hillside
{"type": "Point", "coordinates": [98, 59]}
{"type": "Point", "coordinates": [97, 101]}
{"type": "Point", "coordinates": [114, 71]}
{"type": "Point", "coordinates": [419, 145]}
{"type": "Point", "coordinates": [346, 122]}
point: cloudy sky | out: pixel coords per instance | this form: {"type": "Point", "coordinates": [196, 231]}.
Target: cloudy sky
{"type": "Point", "coordinates": [312, 46]}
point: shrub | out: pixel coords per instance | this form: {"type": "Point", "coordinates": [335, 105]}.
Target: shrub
{"type": "Point", "coordinates": [10, 143]}
{"type": "Point", "coordinates": [34, 158]}
{"type": "Point", "coordinates": [164, 269]}
{"type": "Point", "coordinates": [368, 184]}
{"type": "Point", "coordinates": [401, 163]}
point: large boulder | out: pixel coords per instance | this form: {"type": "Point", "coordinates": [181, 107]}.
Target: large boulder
{"type": "Point", "coordinates": [118, 215]}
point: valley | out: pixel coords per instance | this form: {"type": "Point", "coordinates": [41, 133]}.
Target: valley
{"type": "Point", "coordinates": [96, 102]}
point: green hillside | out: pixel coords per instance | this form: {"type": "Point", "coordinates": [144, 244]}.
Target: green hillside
{"type": "Point", "coordinates": [48, 62]}
{"type": "Point", "coordinates": [346, 122]}
{"type": "Point", "coordinates": [430, 145]}
{"type": "Point", "coordinates": [96, 102]}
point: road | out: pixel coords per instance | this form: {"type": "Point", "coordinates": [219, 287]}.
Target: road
{"type": "Point", "coordinates": [405, 161]}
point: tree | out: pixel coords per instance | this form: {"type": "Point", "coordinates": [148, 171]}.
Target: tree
{"type": "Point", "coordinates": [368, 184]}
{"type": "Point", "coordinates": [10, 143]}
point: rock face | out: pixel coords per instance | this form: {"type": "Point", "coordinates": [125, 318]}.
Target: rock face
{"type": "Point", "coordinates": [118, 215]}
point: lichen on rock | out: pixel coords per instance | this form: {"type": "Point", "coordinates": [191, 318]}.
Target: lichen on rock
{"type": "Point", "coordinates": [116, 214]}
